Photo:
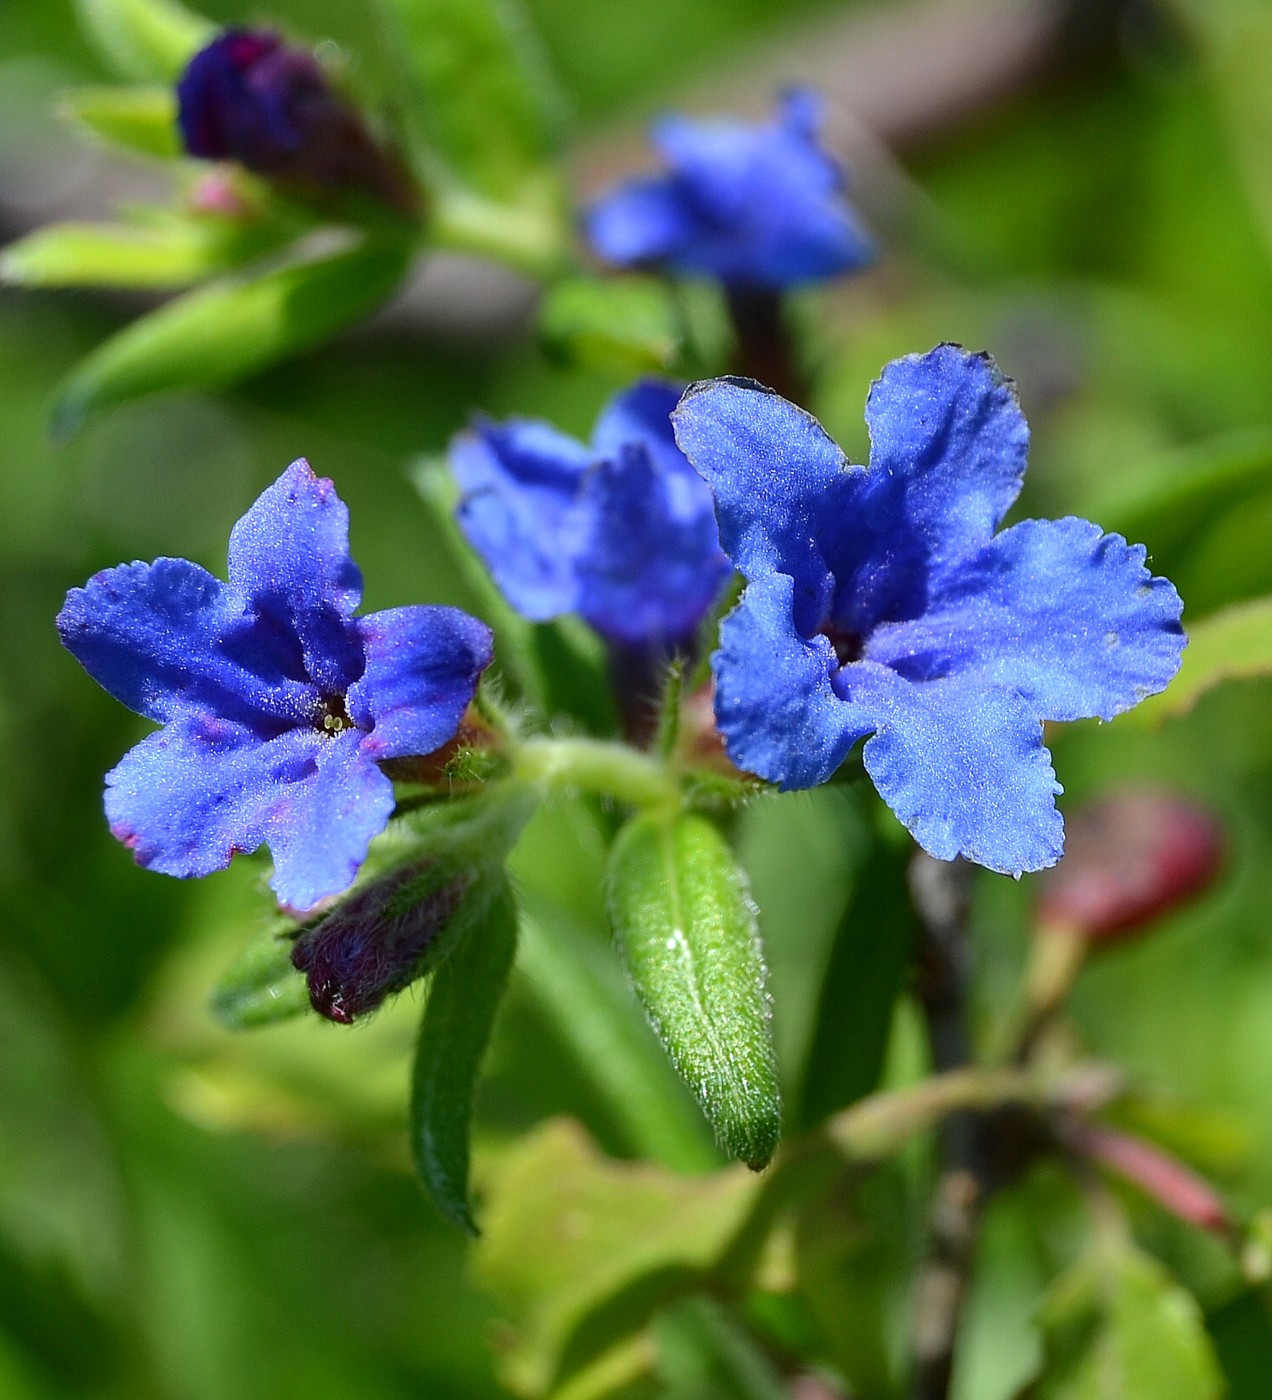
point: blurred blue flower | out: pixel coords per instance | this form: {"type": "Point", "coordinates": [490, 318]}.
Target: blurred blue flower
{"type": "Point", "coordinates": [621, 532]}
{"type": "Point", "coordinates": [754, 206]}
{"type": "Point", "coordinates": [880, 601]}
{"type": "Point", "coordinates": [277, 703]}
{"type": "Point", "coordinates": [251, 98]}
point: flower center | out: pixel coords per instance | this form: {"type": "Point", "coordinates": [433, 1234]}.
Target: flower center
{"type": "Point", "coordinates": [331, 717]}
{"type": "Point", "coordinates": [848, 645]}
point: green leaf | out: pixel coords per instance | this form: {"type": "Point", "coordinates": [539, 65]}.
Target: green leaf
{"type": "Point", "coordinates": [582, 1251]}
{"type": "Point", "coordinates": [687, 929]}
{"type": "Point", "coordinates": [1116, 1326]}
{"type": "Point", "coordinates": [868, 960]}
{"type": "Point", "coordinates": [705, 1352]}
{"type": "Point", "coordinates": [458, 1018]}
{"type": "Point", "coordinates": [626, 325]}
{"type": "Point", "coordinates": [582, 989]}
{"type": "Point", "coordinates": [261, 986]}
{"type": "Point", "coordinates": [1232, 644]}
{"type": "Point", "coordinates": [167, 254]}
{"type": "Point", "coordinates": [142, 119]}
{"type": "Point", "coordinates": [479, 99]}
{"type": "Point", "coordinates": [146, 40]}
{"type": "Point", "coordinates": [227, 331]}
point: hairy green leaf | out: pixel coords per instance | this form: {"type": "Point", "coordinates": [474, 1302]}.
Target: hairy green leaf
{"type": "Point", "coordinates": [458, 1018]}
{"type": "Point", "coordinates": [229, 330]}
{"type": "Point", "coordinates": [166, 254]}
{"type": "Point", "coordinates": [687, 929]}
{"type": "Point", "coordinates": [142, 119]}
{"type": "Point", "coordinates": [261, 986]}
{"type": "Point", "coordinates": [146, 40]}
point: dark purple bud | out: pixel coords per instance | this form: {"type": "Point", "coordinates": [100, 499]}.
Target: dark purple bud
{"type": "Point", "coordinates": [1130, 858]}
{"type": "Point", "coordinates": [377, 941]}
{"type": "Point", "coordinates": [251, 98]}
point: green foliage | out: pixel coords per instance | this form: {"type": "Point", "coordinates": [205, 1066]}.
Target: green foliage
{"type": "Point", "coordinates": [145, 40]}
{"type": "Point", "coordinates": [581, 1251]}
{"type": "Point", "coordinates": [1235, 644]}
{"type": "Point", "coordinates": [230, 330]}
{"type": "Point", "coordinates": [166, 252]}
{"type": "Point", "coordinates": [463, 997]}
{"type": "Point", "coordinates": [1118, 1327]}
{"type": "Point", "coordinates": [141, 119]}
{"type": "Point", "coordinates": [686, 926]}
{"type": "Point", "coordinates": [261, 986]}
{"type": "Point", "coordinates": [624, 325]}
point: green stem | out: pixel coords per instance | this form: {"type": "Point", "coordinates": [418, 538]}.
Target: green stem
{"type": "Point", "coordinates": [597, 766]}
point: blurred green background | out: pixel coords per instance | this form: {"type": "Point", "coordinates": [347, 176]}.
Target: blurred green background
{"type": "Point", "coordinates": [186, 1214]}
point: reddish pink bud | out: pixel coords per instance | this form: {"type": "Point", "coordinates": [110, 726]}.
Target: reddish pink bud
{"type": "Point", "coordinates": [1159, 1175]}
{"type": "Point", "coordinates": [1129, 858]}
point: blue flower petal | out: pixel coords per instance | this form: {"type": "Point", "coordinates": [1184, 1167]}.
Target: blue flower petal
{"type": "Point", "coordinates": [423, 665]}
{"type": "Point", "coordinates": [1056, 609]}
{"type": "Point", "coordinates": [947, 434]}
{"type": "Point", "coordinates": [652, 565]}
{"type": "Point", "coordinates": [168, 638]}
{"type": "Point", "coordinates": [775, 476]}
{"type": "Point", "coordinates": [775, 705]}
{"type": "Point", "coordinates": [290, 555]}
{"type": "Point", "coordinates": [643, 221]}
{"type": "Point", "coordinates": [963, 766]}
{"type": "Point", "coordinates": [642, 414]}
{"type": "Point", "coordinates": [186, 799]}
{"type": "Point", "coordinates": [519, 510]}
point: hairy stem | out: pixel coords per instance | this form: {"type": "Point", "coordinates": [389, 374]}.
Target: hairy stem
{"type": "Point", "coordinates": [764, 347]}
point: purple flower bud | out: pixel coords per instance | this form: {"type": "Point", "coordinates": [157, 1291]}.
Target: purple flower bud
{"type": "Point", "coordinates": [1130, 858]}
{"type": "Point", "coordinates": [377, 941]}
{"type": "Point", "coordinates": [251, 98]}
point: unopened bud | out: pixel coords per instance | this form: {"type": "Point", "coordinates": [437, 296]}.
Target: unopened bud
{"type": "Point", "coordinates": [251, 98]}
{"type": "Point", "coordinates": [378, 941]}
{"type": "Point", "coordinates": [1130, 858]}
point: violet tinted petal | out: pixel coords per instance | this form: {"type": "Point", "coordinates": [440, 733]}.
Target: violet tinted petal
{"type": "Point", "coordinates": [423, 665]}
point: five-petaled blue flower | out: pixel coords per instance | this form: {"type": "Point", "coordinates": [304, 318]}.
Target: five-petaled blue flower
{"type": "Point", "coordinates": [249, 97]}
{"type": "Point", "coordinates": [277, 702]}
{"type": "Point", "coordinates": [880, 601]}
{"type": "Point", "coordinates": [753, 206]}
{"type": "Point", "coordinates": [622, 532]}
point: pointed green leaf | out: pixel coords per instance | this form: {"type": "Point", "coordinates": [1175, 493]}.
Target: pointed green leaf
{"type": "Point", "coordinates": [227, 331]}
{"type": "Point", "coordinates": [627, 325]}
{"type": "Point", "coordinates": [168, 254]}
{"type": "Point", "coordinates": [142, 119]}
{"type": "Point", "coordinates": [1232, 644]}
{"type": "Point", "coordinates": [1117, 1327]}
{"type": "Point", "coordinates": [458, 1017]}
{"type": "Point", "coordinates": [144, 39]}
{"type": "Point", "coordinates": [686, 926]}
{"type": "Point", "coordinates": [261, 986]}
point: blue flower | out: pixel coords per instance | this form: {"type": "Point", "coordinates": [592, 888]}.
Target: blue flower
{"type": "Point", "coordinates": [622, 532]}
{"type": "Point", "coordinates": [277, 703]}
{"type": "Point", "coordinates": [754, 206]}
{"type": "Point", "coordinates": [880, 601]}
{"type": "Point", "coordinates": [249, 97]}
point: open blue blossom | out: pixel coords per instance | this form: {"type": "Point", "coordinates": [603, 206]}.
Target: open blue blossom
{"type": "Point", "coordinates": [754, 206]}
{"type": "Point", "coordinates": [277, 702]}
{"type": "Point", "coordinates": [251, 98]}
{"type": "Point", "coordinates": [622, 532]}
{"type": "Point", "coordinates": [880, 601]}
